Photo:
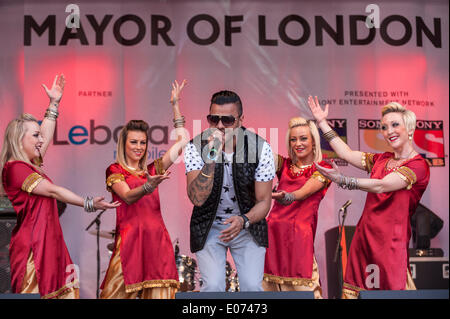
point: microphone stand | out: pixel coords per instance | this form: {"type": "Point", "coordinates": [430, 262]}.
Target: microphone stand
{"type": "Point", "coordinates": [338, 251]}
{"type": "Point", "coordinates": [97, 222]}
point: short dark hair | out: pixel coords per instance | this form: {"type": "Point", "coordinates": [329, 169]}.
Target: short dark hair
{"type": "Point", "coordinates": [226, 97]}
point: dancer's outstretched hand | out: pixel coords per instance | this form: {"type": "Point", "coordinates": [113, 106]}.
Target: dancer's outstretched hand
{"type": "Point", "coordinates": [100, 204]}
{"type": "Point", "coordinates": [278, 195]}
{"type": "Point", "coordinates": [176, 90]}
{"type": "Point", "coordinates": [56, 92]}
{"type": "Point", "coordinates": [332, 174]}
{"type": "Point", "coordinates": [316, 109]}
{"type": "Point", "coordinates": [155, 180]}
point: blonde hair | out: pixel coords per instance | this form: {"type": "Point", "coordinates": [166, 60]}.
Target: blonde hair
{"type": "Point", "coordinates": [409, 117]}
{"type": "Point", "coordinates": [133, 125]}
{"type": "Point", "coordinates": [12, 148]}
{"type": "Point", "coordinates": [300, 121]}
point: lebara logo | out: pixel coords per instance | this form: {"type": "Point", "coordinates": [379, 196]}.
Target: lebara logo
{"type": "Point", "coordinates": [428, 139]}
{"type": "Point", "coordinates": [102, 134]}
{"type": "Point", "coordinates": [340, 127]}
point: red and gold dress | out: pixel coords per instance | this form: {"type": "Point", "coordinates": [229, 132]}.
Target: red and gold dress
{"type": "Point", "coordinates": [290, 260]}
{"type": "Point", "coordinates": [40, 261]}
{"type": "Point", "coordinates": [378, 256]}
{"type": "Point", "coordinates": [143, 261]}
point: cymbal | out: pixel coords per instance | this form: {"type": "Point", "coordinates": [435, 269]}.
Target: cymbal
{"type": "Point", "coordinates": [103, 233]}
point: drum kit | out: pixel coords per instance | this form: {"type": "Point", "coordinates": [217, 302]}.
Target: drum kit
{"type": "Point", "coordinates": [188, 273]}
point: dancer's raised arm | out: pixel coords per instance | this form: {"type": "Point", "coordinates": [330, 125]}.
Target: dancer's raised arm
{"type": "Point", "coordinates": [182, 136]}
{"type": "Point", "coordinates": [342, 150]}
{"type": "Point", "coordinates": [49, 122]}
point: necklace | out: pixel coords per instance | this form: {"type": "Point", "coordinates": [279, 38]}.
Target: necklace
{"type": "Point", "coordinates": [299, 170]}
{"type": "Point", "coordinates": [391, 166]}
{"type": "Point", "coordinates": [134, 169]}
{"type": "Point", "coordinates": [399, 158]}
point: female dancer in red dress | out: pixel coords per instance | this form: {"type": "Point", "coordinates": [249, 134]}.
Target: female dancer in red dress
{"type": "Point", "coordinates": [143, 261]}
{"type": "Point", "coordinates": [40, 262]}
{"type": "Point", "coordinates": [290, 264]}
{"type": "Point", "coordinates": [378, 256]}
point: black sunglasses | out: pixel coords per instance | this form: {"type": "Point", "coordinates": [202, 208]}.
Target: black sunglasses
{"type": "Point", "coordinates": [227, 120]}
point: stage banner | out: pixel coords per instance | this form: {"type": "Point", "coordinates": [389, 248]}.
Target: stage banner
{"type": "Point", "coordinates": [120, 58]}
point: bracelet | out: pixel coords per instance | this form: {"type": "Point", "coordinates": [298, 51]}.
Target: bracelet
{"type": "Point", "coordinates": [51, 114]}
{"type": "Point", "coordinates": [89, 204]}
{"type": "Point", "coordinates": [288, 199]}
{"type": "Point", "coordinates": [203, 174]}
{"type": "Point", "coordinates": [179, 122]}
{"type": "Point", "coordinates": [148, 189]}
{"type": "Point", "coordinates": [349, 183]}
{"type": "Point", "coordinates": [330, 135]}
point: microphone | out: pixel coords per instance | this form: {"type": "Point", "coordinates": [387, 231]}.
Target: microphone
{"type": "Point", "coordinates": [347, 203]}
{"type": "Point", "coordinates": [214, 150]}
{"type": "Point", "coordinates": [216, 144]}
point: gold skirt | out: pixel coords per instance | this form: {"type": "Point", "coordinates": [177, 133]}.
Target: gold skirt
{"type": "Point", "coordinates": [276, 283]}
{"type": "Point", "coordinates": [30, 284]}
{"type": "Point", "coordinates": [352, 292]}
{"type": "Point", "coordinates": [114, 287]}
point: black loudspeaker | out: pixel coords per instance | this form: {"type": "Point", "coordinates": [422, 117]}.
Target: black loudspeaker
{"type": "Point", "coordinates": [429, 272]}
{"type": "Point", "coordinates": [404, 294]}
{"type": "Point", "coordinates": [7, 223]}
{"type": "Point", "coordinates": [257, 295]}
{"type": "Point", "coordinates": [334, 269]}
{"type": "Point", "coordinates": [425, 225]}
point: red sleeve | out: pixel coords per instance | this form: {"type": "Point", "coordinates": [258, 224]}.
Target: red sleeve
{"type": "Point", "coordinates": [377, 156]}
{"type": "Point", "coordinates": [368, 160]}
{"type": "Point", "coordinates": [317, 175]}
{"type": "Point", "coordinates": [416, 172]}
{"type": "Point", "coordinates": [20, 175]}
{"type": "Point", "coordinates": [114, 174]}
{"type": "Point", "coordinates": [114, 169]}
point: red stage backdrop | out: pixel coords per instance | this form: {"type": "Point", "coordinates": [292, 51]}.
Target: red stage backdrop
{"type": "Point", "coordinates": [120, 62]}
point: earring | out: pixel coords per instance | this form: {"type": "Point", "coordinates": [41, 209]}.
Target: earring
{"type": "Point", "coordinates": [410, 137]}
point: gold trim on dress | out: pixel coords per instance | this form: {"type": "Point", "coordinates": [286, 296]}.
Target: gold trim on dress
{"type": "Point", "coordinates": [31, 286]}
{"type": "Point", "coordinates": [367, 161]}
{"type": "Point", "coordinates": [317, 175]}
{"type": "Point", "coordinates": [31, 182]}
{"type": "Point", "coordinates": [289, 280]}
{"type": "Point", "coordinates": [66, 289]}
{"type": "Point", "coordinates": [112, 179]}
{"type": "Point", "coordinates": [159, 166]}
{"type": "Point", "coordinates": [407, 175]}
{"type": "Point", "coordinates": [350, 291]}
{"type": "Point", "coordinates": [159, 283]}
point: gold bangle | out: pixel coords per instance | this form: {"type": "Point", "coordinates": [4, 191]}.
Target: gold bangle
{"type": "Point", "coordinates": [330, 135]}
{"type": "Point", "coordinates": [208, 176]}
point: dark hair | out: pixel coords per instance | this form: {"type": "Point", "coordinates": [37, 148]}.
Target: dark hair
{"type": "Point", "coordinates": [133, 125]}
{"type": "Point", "coordinates": [137, 125]}
{"type": "Point", "coordinates": [226, 97]}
